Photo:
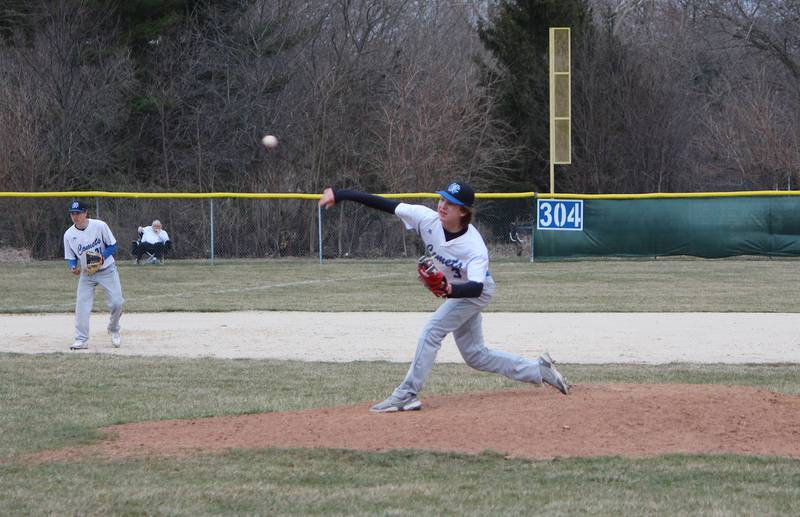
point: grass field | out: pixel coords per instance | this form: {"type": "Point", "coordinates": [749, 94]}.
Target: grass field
{"type": "Point", "coordinates": [356, 285]}
{"type": "Point", "coordinates": [57, 400]}
{"type": "Point", "coordinates": [51, 401]}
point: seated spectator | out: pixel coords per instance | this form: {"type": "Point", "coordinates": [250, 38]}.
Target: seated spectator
{"type": "Point", "coordinates": [153, 241]}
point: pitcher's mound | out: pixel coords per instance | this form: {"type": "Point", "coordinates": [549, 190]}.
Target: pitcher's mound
{"type": "Point", "coordinates": [633, 420]}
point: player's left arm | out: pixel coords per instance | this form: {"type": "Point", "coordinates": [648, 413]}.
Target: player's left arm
{"type": "Point", "coordinates": [477, 268]}
{"type": "Point", "coordinates": [110, 250]}
{"type": "Point", "coordinates": [437, 283]}
{"type": "Point", "coordinates": [469, 289]}
{"type": "Point", "coordinates": [109, 241]}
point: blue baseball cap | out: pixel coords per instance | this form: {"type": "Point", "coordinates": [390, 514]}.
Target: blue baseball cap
{"type": "Point", "coordinates": [77, 207]}
{"type": "Point", "coordinates": [458, 193]}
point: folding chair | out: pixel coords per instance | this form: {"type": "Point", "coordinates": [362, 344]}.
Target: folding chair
{"type": "Point", "coordinates": [149, 255]}
{"type": "Point", "coordinates": [151, 258]}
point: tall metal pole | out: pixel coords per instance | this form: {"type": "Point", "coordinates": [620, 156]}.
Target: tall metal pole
{"type": "Point", "coordinates": [552, 109]}
{"type": "Point", "coordinates": [211, 223]}
{"type": "Point", "coordinates": [533, 227]}
{"type": "Point", "coordinates": [319, 231]}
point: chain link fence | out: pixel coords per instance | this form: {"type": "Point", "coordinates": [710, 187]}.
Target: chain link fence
{"type": "Point", "coordinates": [254, 227]}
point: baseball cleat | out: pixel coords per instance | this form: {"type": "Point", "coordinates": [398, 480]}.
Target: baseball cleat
{"type": "Point", "coordinates": [116, 339]}
{"type": "Point", "coordinates": [550, 375]}
{"type": "Point", "coordinates": [393, 405]}
{"type": "Point", "coordinates": [79, 345]}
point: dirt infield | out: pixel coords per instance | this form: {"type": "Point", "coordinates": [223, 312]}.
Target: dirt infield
{"type": "Point", "coordinates": [587, 338]}
{"type": "Point", "coordinates": [632, 420]}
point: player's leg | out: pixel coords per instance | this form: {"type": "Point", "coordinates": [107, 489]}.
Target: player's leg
{"type": "Point", "coordinates": [449, 316]}
{"type": "Point", "coordinates": [469, 339]}
{"type": "Point", "coordinates": [109, 281]}
{"type": "Point", "coordinates": [84, 300]}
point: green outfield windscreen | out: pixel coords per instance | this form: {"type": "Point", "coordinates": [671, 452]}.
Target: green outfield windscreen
{"type": "Point", "coordinates": [700, 227]}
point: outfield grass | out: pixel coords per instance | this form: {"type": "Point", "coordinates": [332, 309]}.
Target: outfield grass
{"type": "Point", "coordinates": [56, 400]}
{"type": "Point", "coordinates": [331, 482]}
{"type": "Point", "coordinates": [663, 285]}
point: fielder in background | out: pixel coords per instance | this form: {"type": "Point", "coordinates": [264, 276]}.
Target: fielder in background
{"type": "Point", "coordinates": [153, 240]}
{"type": "Point", "coordinates": [89, 248]}
{"type": "Point", "coordinates": [455, 267]}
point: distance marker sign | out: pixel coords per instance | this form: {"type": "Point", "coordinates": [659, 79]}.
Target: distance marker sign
{"type": "Point", "coordinates": [559, 214]}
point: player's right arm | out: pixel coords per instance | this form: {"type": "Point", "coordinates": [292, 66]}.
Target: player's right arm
{"type": "Point", "coordinates": [330, 197]}
{"type": "Point", "coordinates": [71, 258]}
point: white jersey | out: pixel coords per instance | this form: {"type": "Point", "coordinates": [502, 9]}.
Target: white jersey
{"type": "Point", "coordinates": [150, 236]}
{"type": "Point", "coordinates": [463, 259]}
{"type": "Point", "coordinates": [96, 236]}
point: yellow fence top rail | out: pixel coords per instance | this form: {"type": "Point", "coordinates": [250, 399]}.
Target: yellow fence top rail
{"type": "Point", "coordinates": [407, 195]}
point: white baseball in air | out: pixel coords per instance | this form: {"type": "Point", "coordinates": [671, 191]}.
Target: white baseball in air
{"type": "Point", "coordinates": [269, 141]}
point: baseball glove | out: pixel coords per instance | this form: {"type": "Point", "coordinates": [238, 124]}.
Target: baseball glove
{"type": "Point", "coordinates": [94, 261]}
{"type": "Point", "coordinates": [431, 278]}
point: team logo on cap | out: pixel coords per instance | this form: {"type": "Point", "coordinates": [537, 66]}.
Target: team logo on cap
{"type": "Point", "coordinates": [454, 188]}
{"type": "Point", "coordinates": [75, 204]}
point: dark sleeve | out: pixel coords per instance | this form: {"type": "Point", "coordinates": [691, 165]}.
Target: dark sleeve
{"type": "Point", "coordinates": [467, 290]}
{"type": "Point", "coordinates": [378, 202]}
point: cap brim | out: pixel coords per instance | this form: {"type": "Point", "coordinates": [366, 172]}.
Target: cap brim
{"type": "Point", "coordinates": [448, 196]}
{"type": "Point", "coordinates": [77, 211]}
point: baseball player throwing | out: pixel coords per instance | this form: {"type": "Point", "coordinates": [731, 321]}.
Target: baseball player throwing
{"type": "Point", "coordinates": [89, 248]}
{"type": "Point", "coordinates": [460, 273]}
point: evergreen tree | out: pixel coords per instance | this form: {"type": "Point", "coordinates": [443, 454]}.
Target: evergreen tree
{"type": "Point", "coordinates": [516, 33]}
{"type": "Point", "coordinates": [145, 21]}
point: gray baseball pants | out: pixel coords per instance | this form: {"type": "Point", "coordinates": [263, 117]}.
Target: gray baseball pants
{"type": "Point", "coordinates": [108, 279]}
{"type": "Point", "coordinates": [462, 317]}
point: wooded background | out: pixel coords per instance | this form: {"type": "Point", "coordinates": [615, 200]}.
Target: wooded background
{"type": "Point", "coordinates": [392, 96]}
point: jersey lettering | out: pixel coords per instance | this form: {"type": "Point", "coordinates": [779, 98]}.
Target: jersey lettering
{"type": "Point", "coordinates": [85, 247]}
{"type": "Point", "coordinates": [455, 265]}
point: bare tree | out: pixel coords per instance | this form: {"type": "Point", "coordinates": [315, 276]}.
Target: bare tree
{"type": "Point", "coordinates": [633, 102]}
{"type": "Point", "coordinates": [398, 106]}
{"type": "Point", "coordinates": [63, 103]}
{"type": "Point", "coordinates": [68, 86]}
{"type": "Point", "coordinates": [769, 26]}
{"type": "Point", "coordinates": [753, 132]}
{"type": "Point", "coordinates": [688, 95]}
{"type": "Point", "coordinates": [754, 141]}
